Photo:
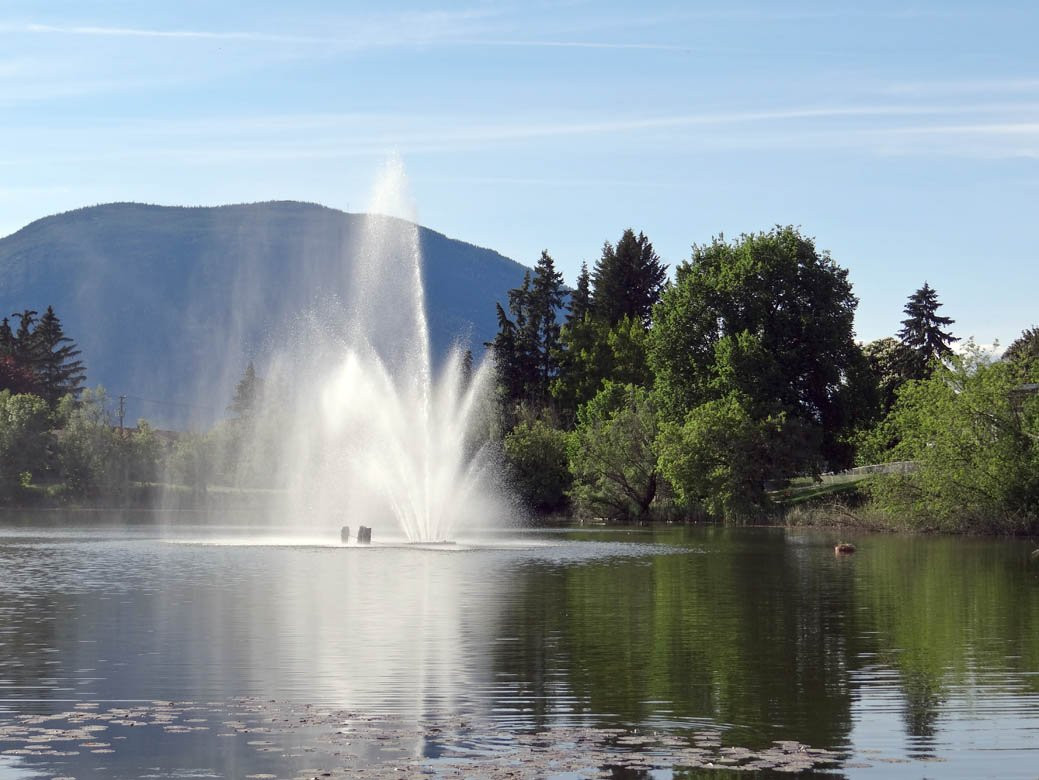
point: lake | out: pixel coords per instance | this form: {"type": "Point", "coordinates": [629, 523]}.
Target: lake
{"type": "Point", "coordinates": [134, 651]}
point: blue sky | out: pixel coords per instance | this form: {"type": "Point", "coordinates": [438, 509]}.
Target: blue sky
{"type": "Point", "coordinates": [903, 136]}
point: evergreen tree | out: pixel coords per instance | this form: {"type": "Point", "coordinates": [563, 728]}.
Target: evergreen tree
{"type": "Point", "coordinates": [526, 348]}
{"type": "Point", "coordinates": [246, 394]}
{"type": "Point", "coordinates": [467, 369]}
{"type": "Point", "coordinates": [58, 368]}
{"type": "Point", "coordinates": [922, 333]}
{"type": "Point", "coordinates": [25, 351]}
{"type": "Point", "coordinates": [581, 298]}
{"type": "Point", "coordinates": [6, 339]}
{"type": "Point", "coordinates": [15, 378]}
{"type": "Point", "coordinates": [627, 279]}
{"type": "Point", "coordinates": [506, 359]}
{"type": "Point", "coordinates": [525, 358]}
{"type": "Point", "coordinates": [593, 353]}
{"type": "Point", "coordinates": [546, 301]}
{"type": "Point", "coordinates": [1024, 349]}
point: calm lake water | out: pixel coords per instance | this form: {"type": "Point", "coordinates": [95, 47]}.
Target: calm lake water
{"type": "Point", "coordinates": [200, 653]}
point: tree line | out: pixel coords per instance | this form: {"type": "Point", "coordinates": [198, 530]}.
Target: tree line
{"type": "Point", "coordinates": [630, 398]}
{"type": "Point", "coordinates": [58, 441]}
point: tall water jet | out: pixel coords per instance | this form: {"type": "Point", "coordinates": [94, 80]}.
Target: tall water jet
{"type": "Point", "coordinates": [379, 433]}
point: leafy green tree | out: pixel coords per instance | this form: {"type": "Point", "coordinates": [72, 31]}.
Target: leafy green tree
{"type": "Point", "coordinates": [25, 438]}
{"type": "Point", "coordinates": [886, 357]}
{"type": "Point", "coordinates": [922, 336]}
{"type": "Point", "coordinates": [593, 353]}
{"type": "Point", "coordinates": [722, 455]}
{"type": "Point", "coordinates": [1024, 350]}
{"type": "Point", "coordinates": [612, 454]}
{"type": "Point", "coordinates": [536, 459]}
{"type": "Point", "coordinates": [600, 342]}
{"type": "Point", "coordinates": [974, 435]}
{"type": "Point", "coordinates": [59, 370]}
{"type": "Point", "coordinates": [145, 453]}
{"type": "Point", "coordinates": [627, 279]}
{"type": "Point", "coordinates": [769, 317]}
{"type": "Point", "coordinates": [191, 463]}
{"type": "Point", "coordinates": [91, 455]}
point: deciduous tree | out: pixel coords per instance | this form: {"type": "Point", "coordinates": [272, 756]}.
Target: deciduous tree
{"type": "Point", "coordinates": [535, 455]}
{"type": "Point", "coordinates": [767, 316]}
{"type": "Point", "coordinates": [974, 435]}
{"type": "Point", "coordinates": [613, 456]}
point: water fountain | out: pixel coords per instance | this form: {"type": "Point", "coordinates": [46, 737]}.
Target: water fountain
{"type": "Point", "coordinates": [378, 434]}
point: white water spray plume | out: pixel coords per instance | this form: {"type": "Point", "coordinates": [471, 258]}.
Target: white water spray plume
{"type": "Point", "coordinates": [364, 427]}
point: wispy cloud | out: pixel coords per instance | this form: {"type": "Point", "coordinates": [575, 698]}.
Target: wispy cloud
{"type": "Point", "coordinates": [137, 32]}
{"type": "Point", "coordinates": [961, 87]}
{"type": "Point", "coordinates": [370, 30]}
{"type": "Point", "coordinates": [373, 32]}
{"type": "Point", "coordinates": [970, 130]}
{"type": "Point", "coordinates": [535, 44]}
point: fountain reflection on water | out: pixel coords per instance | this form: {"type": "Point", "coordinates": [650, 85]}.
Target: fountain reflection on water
{"type": "Point", "coordinates": [377, 434]}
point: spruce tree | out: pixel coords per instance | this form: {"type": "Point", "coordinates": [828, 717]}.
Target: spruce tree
{"type": "Point", "coordinates": [922, 333]}
{"type": "Point", "coordinates": [6, 339]}
{"type": "Point", "coordinates": [525, 352]}
{"type": "Point", "coordinates": [13, 375]}
{"type": "Point", "coordinates": [1024, 350]}
{"type": "Point", "coordinates": [505, 356]}
{"type": "Point", "coordinates": [25, 351]}
{"type": "Point", "coordinates": [466, 369]}
{"type": "Point", "coordinates": [581, 298]}
{"type": "Point", "coordinates": [546, 301]}
{"type": "Point", "coordinates": [246, 394]}
{"type": "Point", "coordinates": [526, 348]}
{"type": "Point", "coordinates": [58, 368]}
{"type": "Point", "coordinates": [627, 279]}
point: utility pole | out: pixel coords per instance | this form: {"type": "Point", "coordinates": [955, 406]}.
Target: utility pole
{"type": "Point", "coordinates": [122, 413]}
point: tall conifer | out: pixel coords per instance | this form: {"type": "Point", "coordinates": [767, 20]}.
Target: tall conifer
{"type": "Point", "coordinates": [627, 279]}
{"type": "Point", "coordinates": [25, 351]}
{"type": "Point", "coordinates": [581, 298]}
{"type": "Point", "coordinates": [922, 333]}
{"type": "Point", "coordinates": [6, 339]}
{"type": "Point", "coordinates": [59, 370]}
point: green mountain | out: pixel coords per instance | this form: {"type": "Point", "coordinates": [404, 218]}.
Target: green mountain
{"type": "Point", "coordinates": [169, 303]}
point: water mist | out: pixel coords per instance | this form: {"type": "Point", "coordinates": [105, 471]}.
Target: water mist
{"type": "Point", "coordinates": [368, 429]}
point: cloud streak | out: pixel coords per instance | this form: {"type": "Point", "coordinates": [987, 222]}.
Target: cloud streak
{"type": "Point", "coordinates": [373, 32]}
{"type": "Point", "coordinates": [136, 32]}
{"type": "Point", "coordinates": [967, 130]}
